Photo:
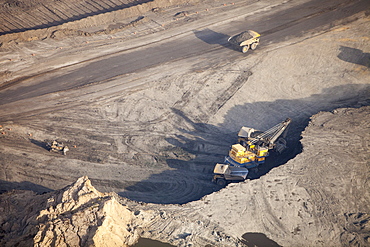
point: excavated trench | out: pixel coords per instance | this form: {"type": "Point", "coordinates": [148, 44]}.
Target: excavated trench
{"type": "Point", "coordinates": [207, 136]}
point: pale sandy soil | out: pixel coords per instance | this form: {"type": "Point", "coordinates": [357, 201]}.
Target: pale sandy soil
{"type": "Point", "coordinates": [154, 134]}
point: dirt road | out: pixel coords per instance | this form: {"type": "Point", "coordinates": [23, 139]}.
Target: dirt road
{"type": "Point", "coordinates": [210, 38]}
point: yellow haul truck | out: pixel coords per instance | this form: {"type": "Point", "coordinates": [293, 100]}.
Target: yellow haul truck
{"type": "Point", "coordinates": [245, 40]}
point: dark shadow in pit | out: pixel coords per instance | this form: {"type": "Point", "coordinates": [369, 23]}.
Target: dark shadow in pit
{"type": "Point", "coordinates": [253, 239]}
{"type": "Point", "coordinates": [24, 185]}
{"type": "Point", "coordinates": [353, 55]}
{"type": "Point", "coordinates": [213, 38]}
{"type": "Point", "coordinates": [190, 178]}
{"type": "Point", "coordinates": [145, 242]}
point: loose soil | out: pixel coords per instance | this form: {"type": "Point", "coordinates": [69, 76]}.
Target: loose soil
{"type": "Point", "coordinates": [148, 96]}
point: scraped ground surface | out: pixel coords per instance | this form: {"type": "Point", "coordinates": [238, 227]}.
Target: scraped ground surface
{"type": "Point", "coordinates": [297, 204]}
{"type": "Point", "coordinates": [149, 109]}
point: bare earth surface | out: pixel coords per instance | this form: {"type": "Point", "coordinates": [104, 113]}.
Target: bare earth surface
{"type": "Point", "coordinates": [150, 96]}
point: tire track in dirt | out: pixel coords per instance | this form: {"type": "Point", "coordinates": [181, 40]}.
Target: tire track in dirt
{"type": "Point", "coordinates": [229, 92]}
{"type": "Point", "coordinates": [357, 230]}
{"type": "Point", "coordinates": [172, 187]}
{"type": "Point", "coordinates": [176, 186]}
{"type": "Point", "coordinates": [166, 188]}
{"type": "Point", "coordinates": [268, 217]}
{"type": "Point", "coordinates": [180, 225]}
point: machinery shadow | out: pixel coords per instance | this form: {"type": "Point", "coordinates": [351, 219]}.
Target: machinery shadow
{"type": "Point", "coordinates": [209, 143]}
{"type": "Point", "coordinates": [353, 55]}
{"type": "Point", "coordinates": [189, 179]}
{"type": "Point", "coordinates": [213, 38]}
{"type": "Point", "coordinates": [40, 144]}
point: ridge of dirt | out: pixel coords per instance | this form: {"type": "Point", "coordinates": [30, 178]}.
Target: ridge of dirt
{"type": "Point", "coordinates": [20, 16]}
{"type": "Point", "coordinates": [79, 215]}
{"type": "Point", "coordinates": [47, 23]}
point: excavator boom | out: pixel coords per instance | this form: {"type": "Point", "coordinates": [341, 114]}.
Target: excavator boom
{"type": "Point", "coordinates": [272, 134]}
{"type": "Point", "coordinates": [268, 138]}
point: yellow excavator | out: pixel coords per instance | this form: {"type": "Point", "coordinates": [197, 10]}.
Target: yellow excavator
{"type": "Point", "coordinates": [250, 152]}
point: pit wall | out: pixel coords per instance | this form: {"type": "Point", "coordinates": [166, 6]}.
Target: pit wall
{"type": "Point", "coordinates": [91, 21]}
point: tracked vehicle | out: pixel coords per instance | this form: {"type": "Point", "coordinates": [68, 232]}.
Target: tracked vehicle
{"type": "Point", "coordinates": [250, 152]}
{"type": "Point", "coordinates": [57, 147]}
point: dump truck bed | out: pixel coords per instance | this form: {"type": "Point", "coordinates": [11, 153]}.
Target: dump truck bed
{"type": "Point", "coordinates": [238, 39]}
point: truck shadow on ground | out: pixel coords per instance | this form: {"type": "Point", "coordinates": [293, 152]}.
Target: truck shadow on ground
{"type": "Point", "coordinates": [190, 179]}
{"type": "Point", "coordinates": [213, 38]}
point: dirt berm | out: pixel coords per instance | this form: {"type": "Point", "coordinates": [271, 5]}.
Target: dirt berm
{"type": "Point", "coordinates": [38, 20]}
{"type": "Point", "coordinates": [319, 198]}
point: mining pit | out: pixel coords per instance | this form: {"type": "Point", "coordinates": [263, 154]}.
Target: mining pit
{"type": "Point", "coordinates": [149, 96]}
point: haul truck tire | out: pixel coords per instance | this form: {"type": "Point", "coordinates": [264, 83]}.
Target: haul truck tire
{"type": "Point", "coordinates": [221, 182]}
{"type": "Point", "coordinates": [245, 48]}
{"type": "Point", "coordinates": [254, 45]}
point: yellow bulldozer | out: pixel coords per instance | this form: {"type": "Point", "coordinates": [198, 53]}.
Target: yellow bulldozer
{"type": "Point", "coordinates": [57, 147]}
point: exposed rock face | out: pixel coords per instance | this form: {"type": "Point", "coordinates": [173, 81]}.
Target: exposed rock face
{"type": "Point", "coordinates": [82, 216]}
{"type": "Point", "coordinates": [18, 212]}
{"type": "Point", "coordinates": [79, 215]}
{"type": "Point", "coordinates": [41, 11]}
